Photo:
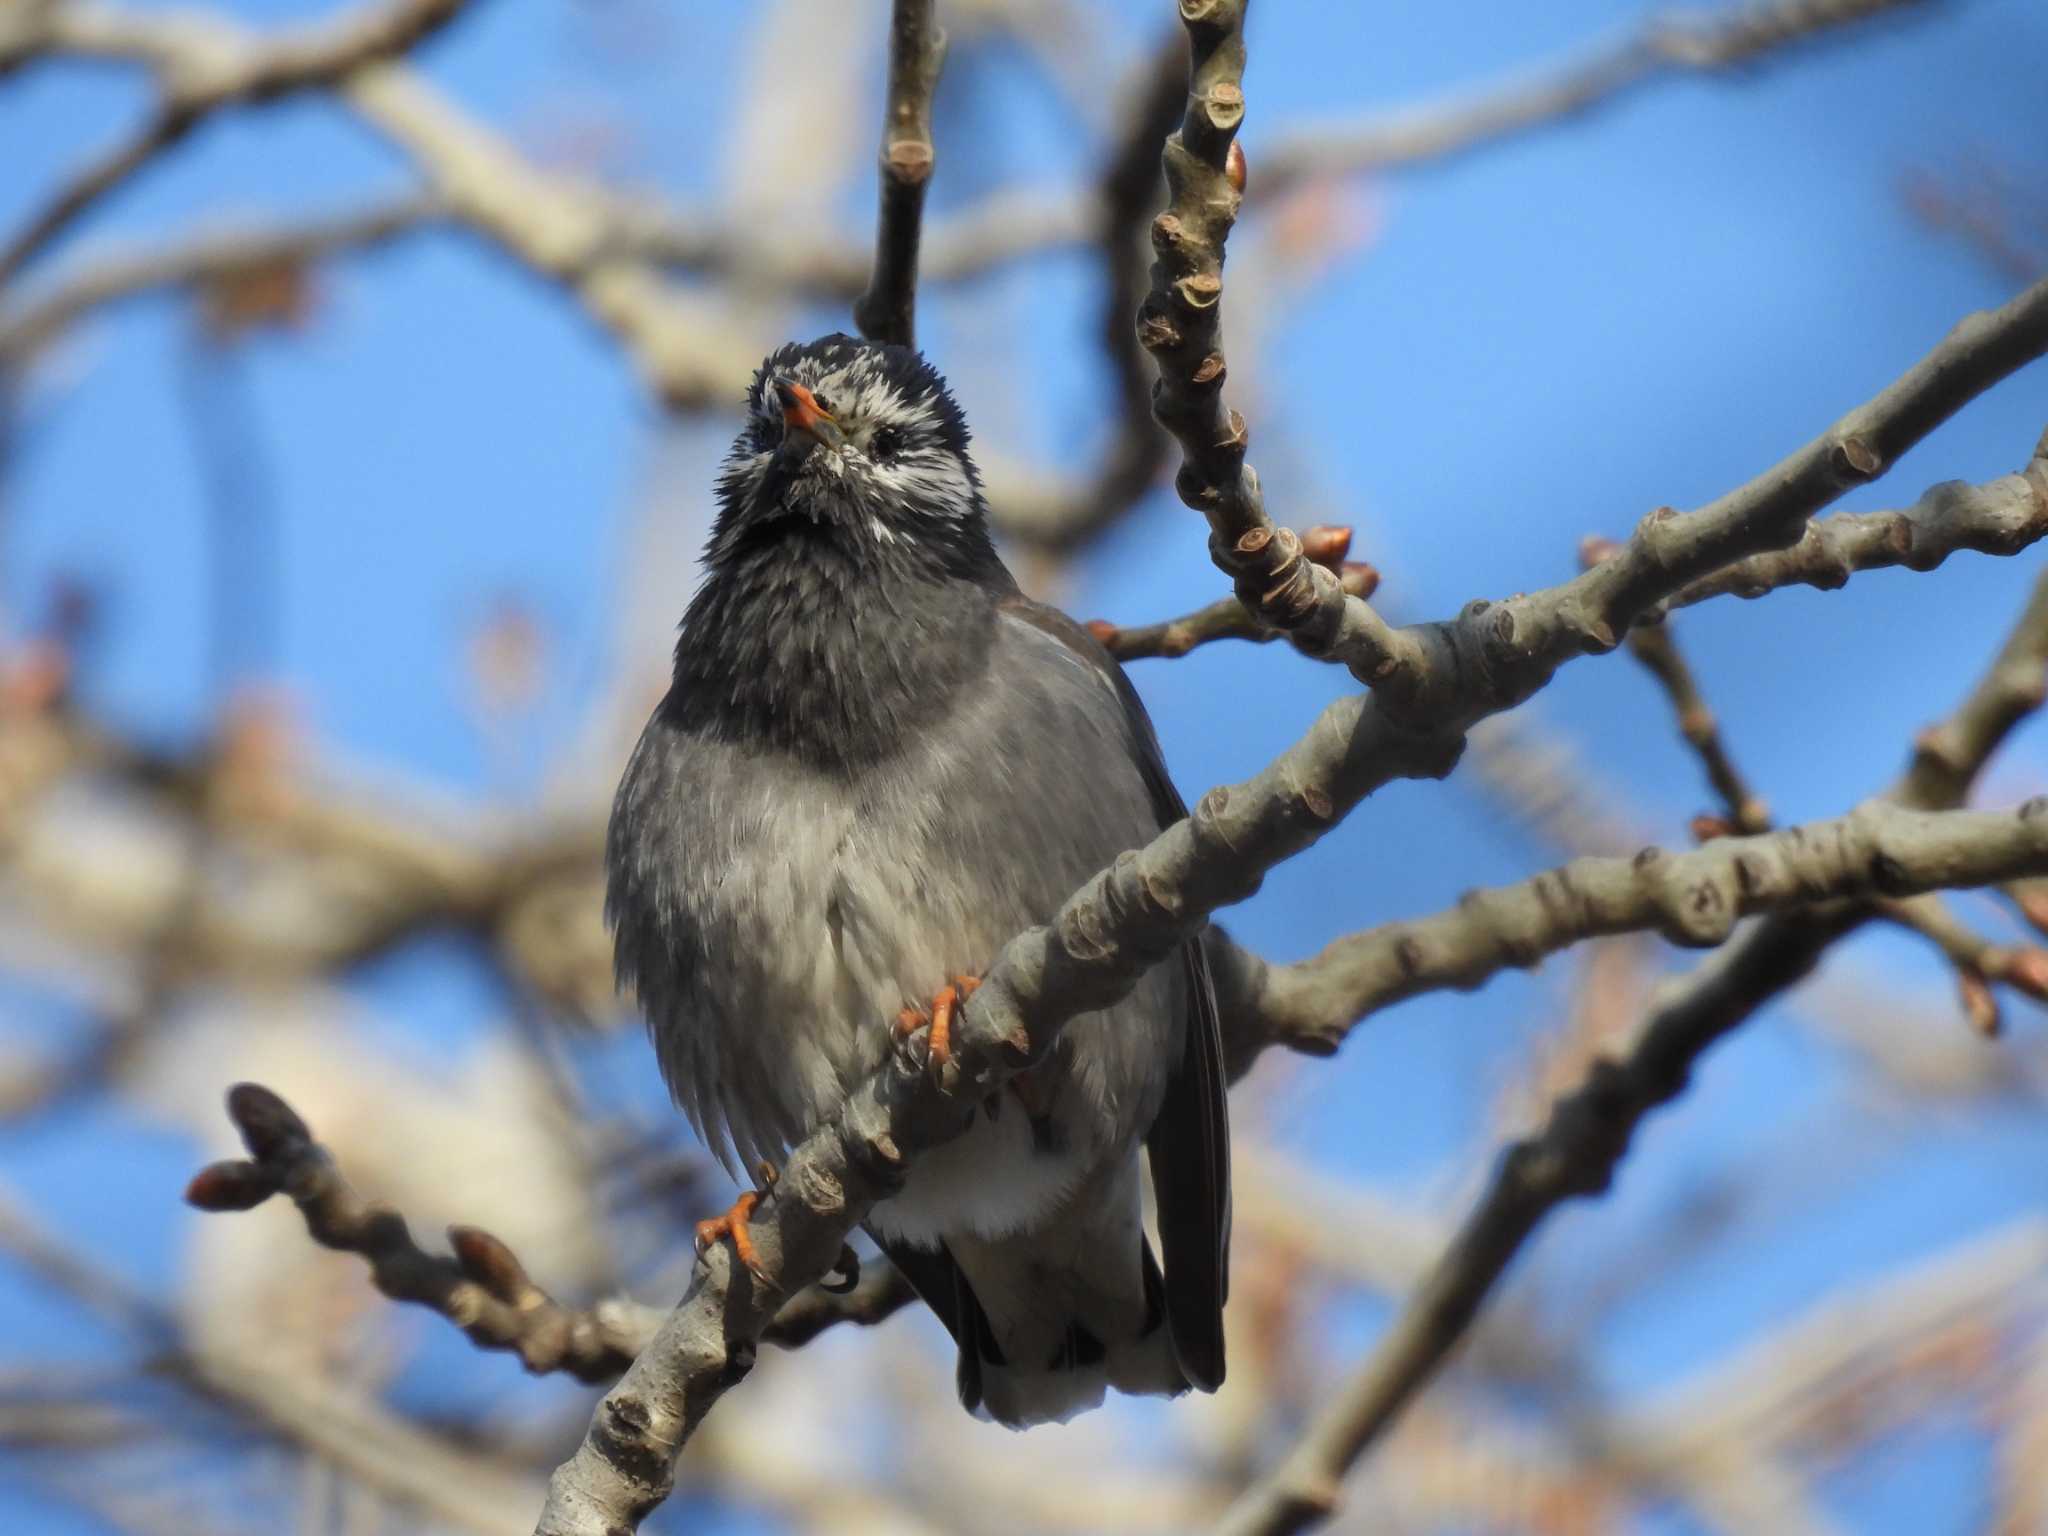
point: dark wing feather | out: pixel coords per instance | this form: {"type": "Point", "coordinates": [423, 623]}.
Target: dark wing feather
{"type": "Point", "coordinates": [1189, 1142]}
{"type": "Point", "coordinates": [940, 1285]}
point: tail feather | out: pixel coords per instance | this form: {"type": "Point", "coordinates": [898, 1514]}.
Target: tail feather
{"type": "Point", "coordinates": [1048, 1321]}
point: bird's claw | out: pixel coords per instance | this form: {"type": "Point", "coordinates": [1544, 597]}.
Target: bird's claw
{"type": "Point", "coordinates": [734, 1224]}
{"type": "Point", "coordinates": [937, 1020]}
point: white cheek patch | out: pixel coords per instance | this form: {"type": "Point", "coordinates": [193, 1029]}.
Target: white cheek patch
{"type": "Point", "coordinates": [933, 480]}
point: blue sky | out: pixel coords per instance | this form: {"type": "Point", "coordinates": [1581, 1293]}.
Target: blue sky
{"type": "Point", "coordinates": [1541, 340]}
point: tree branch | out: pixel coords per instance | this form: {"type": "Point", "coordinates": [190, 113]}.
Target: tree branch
{"type": "Point", "coordinates": [887, 311]}
{"type": "Point", "coordinates": [206, 259]}
{"type": "Point", "coordinates": [1585, 1137]}
{"type": "Point", "coordinates": [1652, 645]}
{"type": "Point", "coordinates": [1693, 899]}
{"type": "Point", "coordinates": [2000, 517]}
{"type": "Point", "coordinates": [1180, 325]}
{"type": "Point", "coordinates": [484, 1289]}
{"type": "Point", "coordinates": [1721, 41]}
{"type": "Point", "coordinates": [1132, 915]}
{"type": "Point", "coordinates": [1976, 960]}
{"type": "Point", "coordinates": [1227, 618]}
{"type": "Point", "coordinates": [208, 68]}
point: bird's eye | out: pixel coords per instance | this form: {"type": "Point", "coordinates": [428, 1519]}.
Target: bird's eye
{"type": "Point", "coordinates": [886, 443]}
{"type": "Point", "coordinates": [823, 403]}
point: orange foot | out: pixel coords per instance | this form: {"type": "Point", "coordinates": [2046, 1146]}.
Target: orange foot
{"type": "Point", "coordinates": [733, 1224]}
{"type": "Point", "coordinates": [938, 1019]}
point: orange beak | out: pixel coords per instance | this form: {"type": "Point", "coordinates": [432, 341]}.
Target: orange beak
{"type": "Point", "coordinates": [801, 414]}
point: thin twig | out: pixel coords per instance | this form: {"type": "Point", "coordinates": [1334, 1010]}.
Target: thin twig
{"type": "Point", "coordinates": [1227, 618]}
{"type": "Point", "coordinates": [887, 311]}
{"type": "Point", "coordinates": [203, 261]}
{"type": "Point", "coordinates": [1999, 517]}
{"type": "Point", "coordinates": [484, 1289]}
{"type": "Point", "coordinates": [1125, 919]}
{"type": "Point", "coordinates": [1180, 325]}
{"type": "Point", "coordinates": [210, 72]}
{"type": "Point", "coordinates": [1654, 647]}
{"type": "Point", "coordinates": [1692, 898]}
{"type": "Point", "coordinates": [1580, 1146]}
{"type": "Point", "coordinates": [1977, 961]}
{"type": "Point", "coordinates": [164, 126]}
{"type": "Point", "coordinates": [1722, 41]}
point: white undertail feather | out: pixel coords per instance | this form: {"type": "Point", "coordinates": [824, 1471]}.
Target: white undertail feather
{"type": "Point", "coordinates": [1083, 1270]}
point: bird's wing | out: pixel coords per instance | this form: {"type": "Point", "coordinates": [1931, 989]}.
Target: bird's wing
{"type": "Point", "coordinates": [1189, 1141]}
{"type": "Point", "coordinates": [936, 1278]}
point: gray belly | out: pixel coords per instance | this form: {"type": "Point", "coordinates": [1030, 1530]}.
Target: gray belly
{"type": "Point", "coordinates": [834, 920]}
{"type": "Point", "coordinates": [776, 918]}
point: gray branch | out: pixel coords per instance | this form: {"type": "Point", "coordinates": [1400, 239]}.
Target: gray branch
{"type": "Point", "coordinates": [1588, 1131]}
{"type": "Point", "coordinates": [216, 69]}
{"type": "Point", "coordinates": [887, 311]}
{"type": "Point", "coordinates": [1437, 682]}
{"type": "Point", "coordinates": [1693, 898]}
{"type": "Point", "coordinates": [1719, 42]}
{"type": "Point", "coordinates": [483, 1288]}
{"type": "Point", "coordinates": [209, 259]}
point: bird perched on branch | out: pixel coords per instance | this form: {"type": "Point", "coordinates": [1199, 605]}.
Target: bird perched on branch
{"type": "Point", "coordinates": [878, 762]}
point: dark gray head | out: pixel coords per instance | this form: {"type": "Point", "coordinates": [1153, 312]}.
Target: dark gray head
{"type": "Point", "coordinates": [850, 583]}
{"type": "Point", "coordinates": [860, 441]}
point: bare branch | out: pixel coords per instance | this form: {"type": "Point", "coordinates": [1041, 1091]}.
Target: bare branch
{"type": "Point", "coordinates": [484, 1289]}
{"type": "Point", "coordinates": [1947, 757]}
{"type": "Point", "coordinates": [1130, 916]}
{"type": "Point", "coordinates": [1723, 40]}
{"type": "Point", "coordinates": [201, 69]}
{"type": "Point", "coordinates": [1999, 517]}
{"type": "Point", "coordinates": [1693, 899]}
{"type": "Point", "coordinates": [887, 311]}
{"type": "Point", "coordinates": [1180, 325]}
{"type": "Point", "coordinates": [218, 257]}
{"type": "Point", "coordinates": [1978, 962]}
{"type": "Point", "coordinates": [1579, 1148]}
{"type": "Point", "coordinates": [1227, 618]}
{"type": "Point", "coordinates": [1653, 646]}
{"type": "Point", "coordinates": [159, 131]}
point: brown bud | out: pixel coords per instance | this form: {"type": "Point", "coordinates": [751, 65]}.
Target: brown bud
{"type": "Point", "coordinates": [230, 1186]}
{"type": "Point", "coordinates": [1597, 549]}
{"type": "Point", "coordinates": [1706, 828]}
{"type": "Point", "coordinates": [2031, 897]}
{"type": "Point", "coordinates": [490, 1263]}
{"type": "Point", "coordinates": [1358, 579]}
{"type": "Point", "coordinates": [2025, 968]}
{"type": "Point", "coordinates": [1105, 633]}
{"type": "Point", "coordinates": [269, 1126]}
{"type": "Point", "coordinates": [1980, 1008]}
{"type": "Point", "coordinates": [1327, 544]}
{"type": "Point", "coordinates": [1233, 167]}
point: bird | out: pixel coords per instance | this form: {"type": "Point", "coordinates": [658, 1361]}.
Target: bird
{"type": "Point", "coordinates": [877, 762]}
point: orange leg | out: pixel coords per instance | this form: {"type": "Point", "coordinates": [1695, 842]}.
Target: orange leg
{"type": "Point", "coordinates": [939, 1019]}
{"type": "Point", "coordinates": [733, 1224]}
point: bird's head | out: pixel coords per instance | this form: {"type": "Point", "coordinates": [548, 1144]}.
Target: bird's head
{"type": "Point", "coordinates": [856, 437]}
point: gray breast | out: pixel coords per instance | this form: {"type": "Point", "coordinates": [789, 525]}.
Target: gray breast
{"type": "Point", "coordinates": [774, 917]}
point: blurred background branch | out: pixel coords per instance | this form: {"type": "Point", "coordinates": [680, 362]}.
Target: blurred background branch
{"type": "Point", "coordinates": [363, 370]}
